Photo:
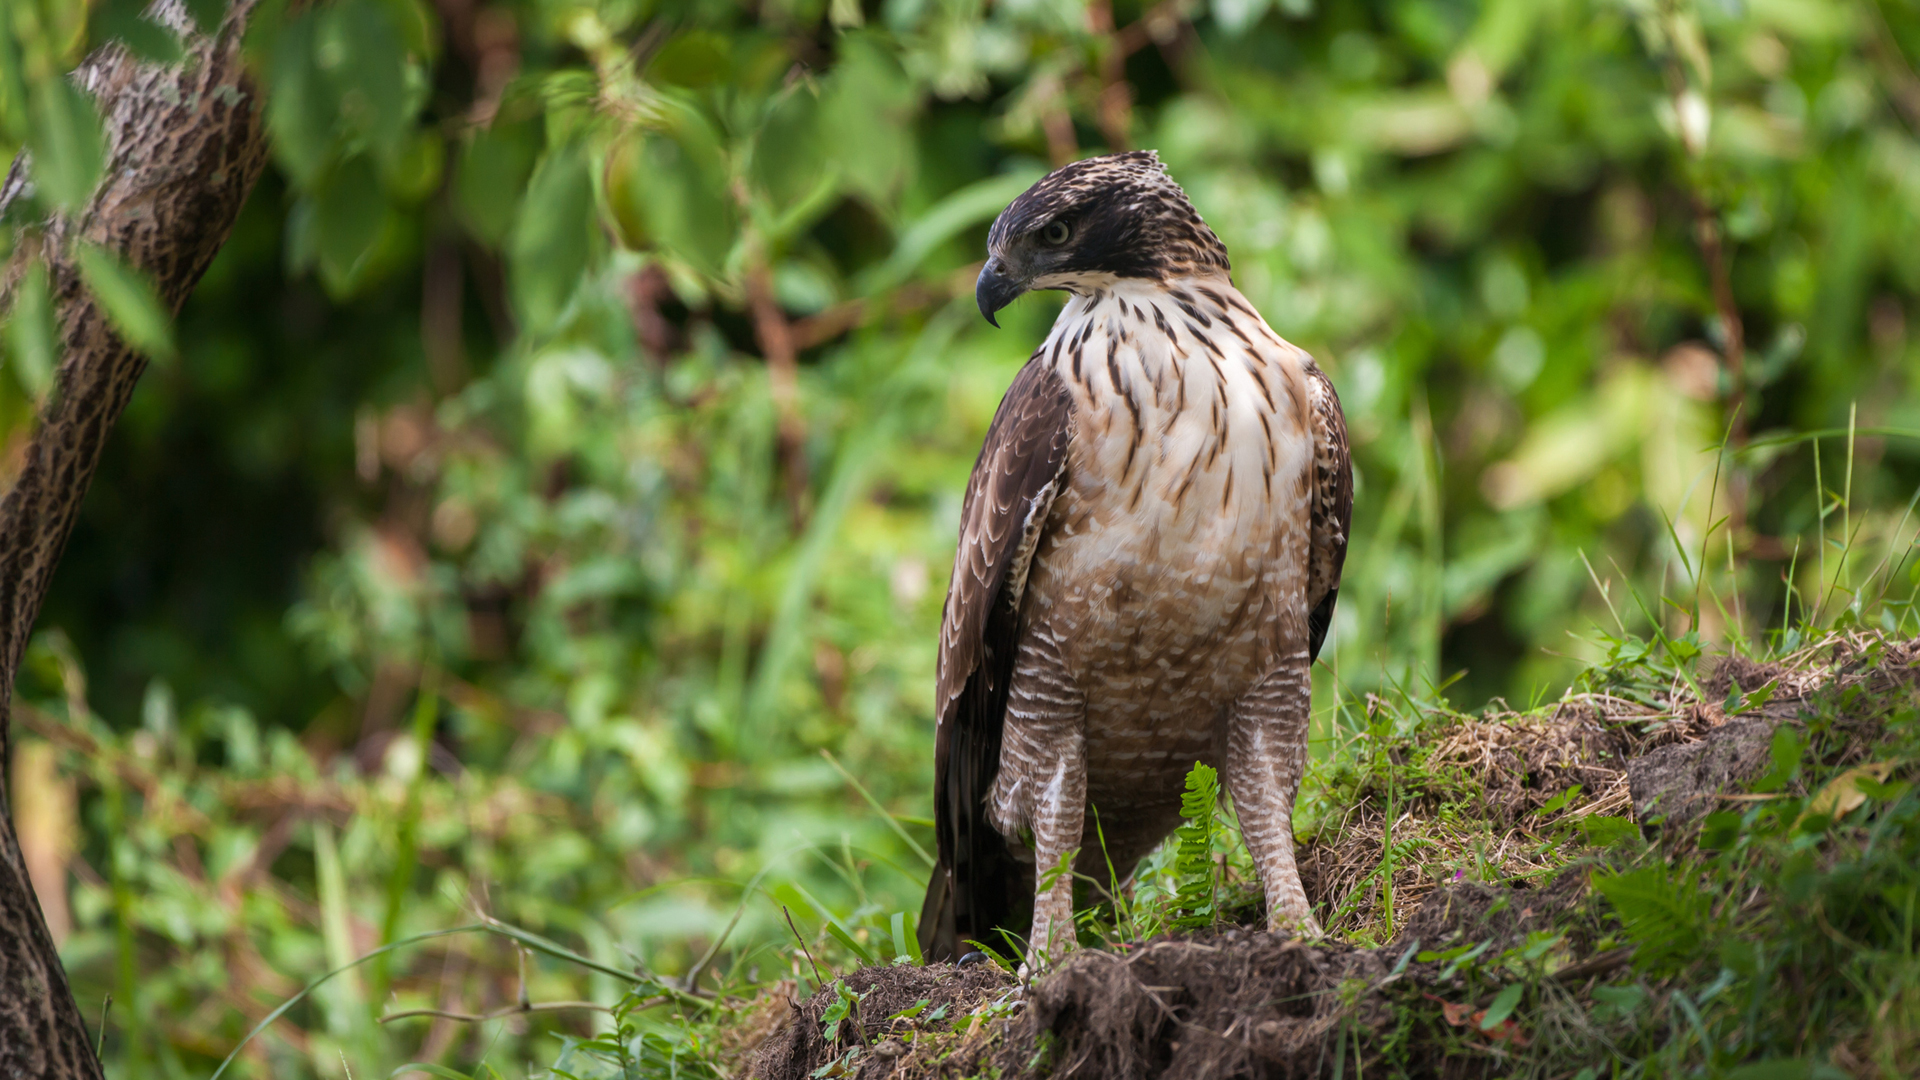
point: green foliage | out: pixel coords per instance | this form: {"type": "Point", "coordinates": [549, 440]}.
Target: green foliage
{"type": "Point", "coordinates": [129, 301]}
{"type": "Point", "coordinates": [474, 557]}
{"type": "Point", "coordinates": [635, 1047]}
{"type": "Point", "coordinates": [845, 1006]}
{"type": "Point", "coordinates": [64, 136]}
{"type": "Point", "coordinates": [1663, 915]}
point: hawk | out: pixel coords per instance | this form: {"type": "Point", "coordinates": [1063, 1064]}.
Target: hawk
{"type": "Point", "coordinates": [1150, 550]}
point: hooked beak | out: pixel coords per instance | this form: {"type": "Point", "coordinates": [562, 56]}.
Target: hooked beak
{"type": "Point", "coordinates": [995, 290]}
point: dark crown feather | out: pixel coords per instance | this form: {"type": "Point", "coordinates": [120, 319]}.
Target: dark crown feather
{"type": "Point", "coordinates": [1130, 218]}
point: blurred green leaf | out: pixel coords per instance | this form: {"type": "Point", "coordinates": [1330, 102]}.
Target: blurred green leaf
{"type": "Point", "coordinates": [30, 332]}
{"type": "Point", "coordinates": [412, 172]}
{"type": "Point", "coordinates": [302, 104]}
{"type": "Point", "coordinates": [68, 145]}
{"type": "Point", "coordinates": [549, 248]}
{"type": "Point", "coordinates": [494, 167]}
{"type": "Point", "coordinates": [1502, 1005]}
{"type": "Point", "coordinates": [692, 59]}
{"type": "Point", "coordinates": [360, 48]}
{"type": "Point", "coordinates": [124, 21]}
{"type": "Point", "coordinates": [789, 154]}
{"type": "Point", "coordinates": [206, 14]}
{"type": "Point", "coordinates": [129, 301]}
{"type": "Point", "coordinates": [350, 215]}
{"type": "Point", "coordinates": [673, 186]}
{"type": "Point", "coordinates": [971, 205]}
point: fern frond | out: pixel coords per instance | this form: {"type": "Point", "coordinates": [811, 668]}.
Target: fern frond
{"type": "Point", "coordinates": [1195, 899]}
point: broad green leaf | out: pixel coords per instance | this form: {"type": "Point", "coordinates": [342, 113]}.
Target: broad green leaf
{"type": "Point", "coordinates": [693, 59]}
{"type": "Point", "coordinates": [1503, 1006]}
{"type": "Point", "coordinates": [905, 941]}
{"type": "Point", "coordinates": [494, 167]}
{"type": "Point", "coordinates": [124, 21]}
{"type": "Point", "coordinates": [207, 14]}
{"type": "Point", "coordinates": [551, 241]}
{"type": "Point", "coordinates": [674, 185]}
{"type": "Point", "coordinates": [1784, 752]}
{"type": "Point", "coordinates": [413, 171]}
{"type": "Point", "coordinates": [30, 332]}
{"type": "Point", "coordinates": [360, 49]}
{"type": "Point", "coordinates": [864, 112]}
{"type": "Point", "coordinates": [789, 153]}
{"type": "Point", "coordinates": [302, 104]}
{"type": "Point", "coordinates": [129, 301]}
{"type": "Point", "coordinates": [350, 214]}
{"type": "Point", "coordinates": [1720, 830]}
{"type": "Point", "coordinates": [67, 143]}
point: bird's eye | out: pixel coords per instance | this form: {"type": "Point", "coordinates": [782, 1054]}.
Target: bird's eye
{"type": "Point", "coordinates": [1056, 233]}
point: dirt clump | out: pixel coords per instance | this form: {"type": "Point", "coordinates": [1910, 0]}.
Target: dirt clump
{"type": "Point", "coordinates": [953, 995]}
{"type": "Point", "coordinates": [1501, 915]}
{"type": "Point", "coordinates": [1245, 1004]}
{"type": "Point", "coordinates": [1681, 783]}
{"type": "Point", "coordinates": [1726, 672]}
{"type": "Point", "coordinates": [1242, 1003]}
{"type": "Point", "coordinates": [1495, 785]}
{"type": "Point", "coordinates": [1519, 763]}
{"type": "Point", "coordinates": [1677, 779]}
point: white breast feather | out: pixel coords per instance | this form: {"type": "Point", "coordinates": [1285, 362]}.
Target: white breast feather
{"type": "Point", "coordinates": [1152, 416]}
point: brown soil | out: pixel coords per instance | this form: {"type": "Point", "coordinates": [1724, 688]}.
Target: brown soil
{"type": "Point", "coordinates": [1238, 1004]}
{"type": "Point", "coordinates": [952, 994]}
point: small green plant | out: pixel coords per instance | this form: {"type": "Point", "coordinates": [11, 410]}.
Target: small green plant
{"type": "Point", "coordinates": [845, 1007]}
{"type": "Point", "coordinates": [1664, 915]}
{"type": "Point", "coordinates": [1198, 894]}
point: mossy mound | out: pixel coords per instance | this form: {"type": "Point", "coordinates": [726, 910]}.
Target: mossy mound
{"type": "Point", "coordinates": [1718, 844]}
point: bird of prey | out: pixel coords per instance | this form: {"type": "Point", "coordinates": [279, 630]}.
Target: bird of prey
{"type": "Point", "coordinates": [1150, 549]}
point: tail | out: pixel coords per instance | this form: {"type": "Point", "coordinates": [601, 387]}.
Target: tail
{"type": "Point", "coordinates": [978, 886]}
{"type": "Point", "coordinates": [993, 892]}
{"type": "Point", "coordinates": [939, 938]}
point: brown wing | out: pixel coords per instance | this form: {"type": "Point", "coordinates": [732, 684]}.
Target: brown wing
{"type": "Point", "coordinates": [977, 884]}
{"type": "Point", "coordinates": [1332, 505]}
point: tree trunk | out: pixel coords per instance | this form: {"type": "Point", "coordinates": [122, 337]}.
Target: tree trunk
{"type": "Point", "coordinates": [184, 147]}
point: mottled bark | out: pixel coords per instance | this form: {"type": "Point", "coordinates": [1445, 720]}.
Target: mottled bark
{"type": "Point", "coordinates": [184, 147]}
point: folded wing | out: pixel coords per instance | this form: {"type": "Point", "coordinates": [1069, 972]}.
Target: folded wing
{"type": "Point", "coordinates": [978, 885]}
{"type": "Point", "coordinates": [1332, 505]}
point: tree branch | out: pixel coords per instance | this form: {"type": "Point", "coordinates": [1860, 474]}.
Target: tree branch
{"type": "Point", "coordinates": [184, 147]}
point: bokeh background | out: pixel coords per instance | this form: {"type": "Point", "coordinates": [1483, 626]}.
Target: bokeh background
{"type": "Point", "coordinates": [567, 447]}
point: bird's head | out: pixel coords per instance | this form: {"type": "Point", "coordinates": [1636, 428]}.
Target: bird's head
{"type": "Point", "coordinates": [1094, 222]}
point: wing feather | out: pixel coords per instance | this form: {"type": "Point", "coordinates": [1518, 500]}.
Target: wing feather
{"type": "Point", "coordinates": [977, 884]}
{"type": "Point", "coordinates": [1332, 505]}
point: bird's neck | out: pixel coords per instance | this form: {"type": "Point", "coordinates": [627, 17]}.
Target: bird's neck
{"type": "Point", "coordinates": [1210, 292]}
